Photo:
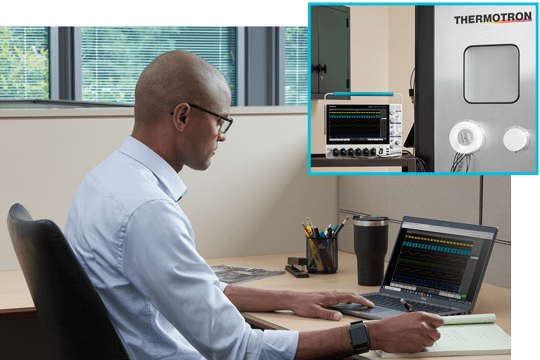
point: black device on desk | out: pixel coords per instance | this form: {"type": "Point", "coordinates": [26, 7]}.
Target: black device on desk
{"type": "Point", "coordinates": [436, 266]}
{"type": "Point", "coordinates": [292, 262]}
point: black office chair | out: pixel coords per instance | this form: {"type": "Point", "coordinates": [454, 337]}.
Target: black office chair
{"type": "Point", "coordinates": [74, 320]}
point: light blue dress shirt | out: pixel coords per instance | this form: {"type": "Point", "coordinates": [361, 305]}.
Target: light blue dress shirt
{"type": "Point", "coordinates": [137, 246]}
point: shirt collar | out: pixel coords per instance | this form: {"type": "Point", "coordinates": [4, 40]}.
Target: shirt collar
{"type": "Point", "coordinates": [169, 181]}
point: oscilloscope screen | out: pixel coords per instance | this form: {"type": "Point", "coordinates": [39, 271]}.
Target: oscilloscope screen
{"type": "Point", "coordinates": [357, 124]}
{"type": "Point", "coordinates": [436, 264]}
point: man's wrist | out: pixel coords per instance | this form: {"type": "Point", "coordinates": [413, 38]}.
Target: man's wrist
{"type": "Point", "coordinates": [373, 331]}
{"type": "Point", "coordinates": [359, 337]}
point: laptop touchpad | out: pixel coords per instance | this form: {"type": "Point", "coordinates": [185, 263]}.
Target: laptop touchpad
{"type": "Point", "coordinates": [377, 312]}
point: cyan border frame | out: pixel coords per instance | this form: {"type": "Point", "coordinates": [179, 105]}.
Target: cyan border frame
{"type": "Point", "coordinates": [415, 173]}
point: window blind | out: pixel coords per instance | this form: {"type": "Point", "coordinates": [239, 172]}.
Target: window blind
{"type": "Point", "coordinates": [24, 62]}
{"type": "Point", "coordinates": [114, 57]}
{"type": "Point", "coordinates": [296, 66]}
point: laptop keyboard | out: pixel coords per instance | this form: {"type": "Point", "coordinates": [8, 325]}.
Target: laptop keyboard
{"type": "Point", "coordinates": [394, 303]}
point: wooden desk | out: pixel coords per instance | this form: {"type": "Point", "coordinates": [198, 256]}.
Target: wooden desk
{"type": "Point", "coordinates": [492, 299]}
{"type": "Point", "coordinates": [15, 300]}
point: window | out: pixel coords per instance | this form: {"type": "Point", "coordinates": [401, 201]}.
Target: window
{"type": "Point", "coordinates": [102, 64]}
{"type": "Point", "coordinates": [113, 57]}
{"type": "Point", "coordinates": [296, 63]}
{"type": "Point", "coordinates": [24, 70]}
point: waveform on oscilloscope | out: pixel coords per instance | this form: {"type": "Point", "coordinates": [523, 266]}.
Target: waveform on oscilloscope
{"type": "Point", "coordinates": [354, 117]}
{"type": "Point", "coordinates": [433, 256]}
{"type": "Point", "coordinates": [436, 248]}
{"type": "Point", "coordinates": [422, 263]}
{"type": "Point", "coordinates": [441, 240]}
{"type": "Point", "coordinates": [424, 282]}
{"type": "Point", "coordinates": [427, 272]}
{"type": "Point", "coordinates": [368, 128]}
{"type": "Point", "coordinates": [355, 120]}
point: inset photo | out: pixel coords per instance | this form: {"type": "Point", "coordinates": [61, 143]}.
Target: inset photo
{"type": "Point", "coordinates": [416, 88]}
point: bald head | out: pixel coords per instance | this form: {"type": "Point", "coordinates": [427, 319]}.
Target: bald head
{"type": "Point", "coordinates": [171, 78]}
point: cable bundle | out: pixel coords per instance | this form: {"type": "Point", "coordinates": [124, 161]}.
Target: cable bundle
{"type": "Point", "coordinates": [458, 159]}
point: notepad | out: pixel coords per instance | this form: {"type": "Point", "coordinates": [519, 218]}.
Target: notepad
{"type": "Point", "coordinates": [464, 335]}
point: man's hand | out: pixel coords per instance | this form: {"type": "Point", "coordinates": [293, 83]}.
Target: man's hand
{"type": "Point", "coordinates": [313, 304]}
{"type": "Point", "coordinates": [405, 333]}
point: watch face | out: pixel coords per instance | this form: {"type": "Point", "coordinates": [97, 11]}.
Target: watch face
{"type": "Point", "coordinates": [359, 334]}
{"type": "Point", "coordinates": [359, 338]}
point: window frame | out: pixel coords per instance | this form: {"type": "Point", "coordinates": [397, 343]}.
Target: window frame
{"type": "Point", "coordinates": [260, 60]}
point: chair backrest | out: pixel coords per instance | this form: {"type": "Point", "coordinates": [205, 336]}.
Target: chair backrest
{"type": "Point", "coordinates": [74, 320]}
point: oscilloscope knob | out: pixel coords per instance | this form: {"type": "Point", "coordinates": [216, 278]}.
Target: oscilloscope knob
{"type": "Point", "coordinates": [343, 152]}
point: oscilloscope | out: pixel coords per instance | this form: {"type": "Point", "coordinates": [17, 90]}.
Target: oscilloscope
{"type": "Point", "coordinates": [363, 130]}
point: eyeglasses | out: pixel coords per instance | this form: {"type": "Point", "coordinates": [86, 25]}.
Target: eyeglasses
{"type": "Point", "coordinates": [224, 124]}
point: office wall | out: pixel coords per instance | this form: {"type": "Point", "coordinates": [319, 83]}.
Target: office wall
{"type": "Point", "coordinates": [453, 198]}
{"type": "Point", "coordinates": [251, 201]}
{"type": "Point", "coordinates": [382, 59]}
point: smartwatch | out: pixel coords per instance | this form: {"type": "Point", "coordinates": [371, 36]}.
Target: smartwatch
{"type": "Point", "coordinates": [359, 337]}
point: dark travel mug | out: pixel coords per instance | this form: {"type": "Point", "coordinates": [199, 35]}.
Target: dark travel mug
{"type": "Point", "coordinates": [370, 245]}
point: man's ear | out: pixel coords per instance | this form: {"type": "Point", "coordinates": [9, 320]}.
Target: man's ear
{"type": "Point", "coordinates": [180, 116]}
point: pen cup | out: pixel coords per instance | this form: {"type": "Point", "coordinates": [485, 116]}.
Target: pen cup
{"type": "Point", "coordinates": [322, 255]}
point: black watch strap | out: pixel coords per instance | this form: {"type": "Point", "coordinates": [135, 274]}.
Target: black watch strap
{"type": "Point", "coordinates": [359, 337]}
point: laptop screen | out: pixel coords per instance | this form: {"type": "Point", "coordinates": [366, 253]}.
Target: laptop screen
{"type": "Point", "coordinates": [439, 259]}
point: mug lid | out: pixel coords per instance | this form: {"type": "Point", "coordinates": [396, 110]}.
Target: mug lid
{"type": "Point", "coordinates": [366, 220]}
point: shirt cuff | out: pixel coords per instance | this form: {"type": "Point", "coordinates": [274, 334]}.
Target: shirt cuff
{"type": "Point", "coordinates": [278, 345]}
{"type": "Point", "coordinates": [222, 286]}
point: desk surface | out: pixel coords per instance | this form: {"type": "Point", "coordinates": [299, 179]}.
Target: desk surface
{"type": "Point", "coordinates": [492, 299]}
{"type": "Point", "coordinates": [15, 298]}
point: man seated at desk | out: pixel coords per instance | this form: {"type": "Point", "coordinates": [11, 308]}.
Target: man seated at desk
{"type": "Point", "coordinates": [138, 248]}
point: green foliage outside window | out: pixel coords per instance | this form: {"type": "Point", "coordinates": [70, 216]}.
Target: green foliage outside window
{"type": "Point", "coordinates": [296, 66]}
{"type": "Point", "coordinates": [114, 57]}
{"type": "Point", "coordinates": [24, 63]}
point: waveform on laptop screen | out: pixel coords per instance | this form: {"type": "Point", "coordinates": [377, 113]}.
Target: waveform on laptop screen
{"type": "Point", "coordinates": [432, 262]}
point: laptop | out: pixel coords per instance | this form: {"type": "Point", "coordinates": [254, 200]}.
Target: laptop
{"type": "Point", "coordinates": [436, 266]}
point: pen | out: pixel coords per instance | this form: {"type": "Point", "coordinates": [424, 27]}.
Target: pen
{"type": "Point", "coordinates": [407, 306]}
{"type": "Point", "coordinates": [323, 238]}
{"type": "Point", "coordinates": [341, 226]}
